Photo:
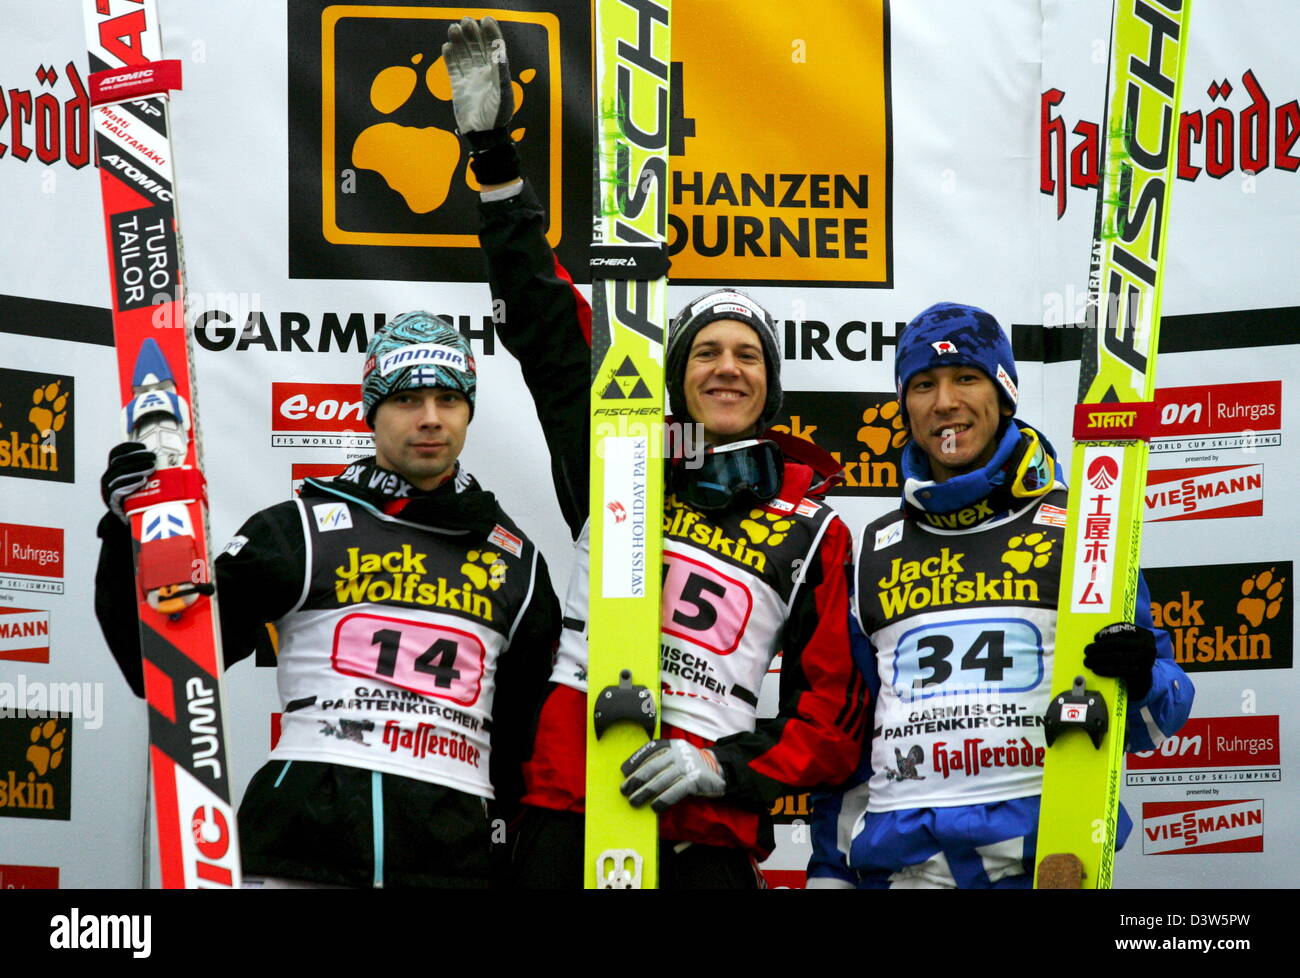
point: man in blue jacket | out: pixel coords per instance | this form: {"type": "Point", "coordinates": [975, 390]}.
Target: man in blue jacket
{"type": "Point", "coordinates": [955, 621]}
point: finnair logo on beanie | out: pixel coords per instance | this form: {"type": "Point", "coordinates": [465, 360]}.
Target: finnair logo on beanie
{"type": "Point", "coordinates": [423, 355]}
{"type": "Point", "coordinates": [944, 346]}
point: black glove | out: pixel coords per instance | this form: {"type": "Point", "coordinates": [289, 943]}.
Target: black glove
{"type": "Point", "coordinates": [130, 465]}
{"type": "Point", "coordinates": [1123, 651]}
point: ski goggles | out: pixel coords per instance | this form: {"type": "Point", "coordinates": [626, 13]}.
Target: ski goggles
{"type": "Point", "coordinates": [754, 466]}
{"type": "Point", "coordinates": [1035, 472]}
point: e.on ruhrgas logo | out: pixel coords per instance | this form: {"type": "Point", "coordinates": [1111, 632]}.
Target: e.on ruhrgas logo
{"type": "Point", "coordinates": [863, 431]}
{"type": "Point", "coordinates": [1226, 616]}
{"type": "Point", "coordinates": [754, 202]}
{"type": "Point", "coordinates": [318, 416]}
{"type": "Point", "coordinates": [381, 186]}
{"type": "Point", "coordinates": [1196, 827]}
{"type": "Point", "coordinates": [36, 427]}
{"type": "Point", "coordinates": [1212, 750]}
{"type": "Point", "coordinates": [31, 558]}
{"type": "Point", "coordinates": [1218, 417]}
{"type": "Point", "coordinates": [1215, 492]}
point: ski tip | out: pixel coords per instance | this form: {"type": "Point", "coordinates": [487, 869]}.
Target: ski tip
{"type": "Point", "coordinates": [151, 367]}
{"type": "Point", "coordinates": [1060, 871]}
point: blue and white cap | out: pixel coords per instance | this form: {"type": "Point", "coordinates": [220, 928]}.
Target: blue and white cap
{"type": "Point", "coordinates": [949, 334]}
{"type": "Point", "coordinates": [417, 349]}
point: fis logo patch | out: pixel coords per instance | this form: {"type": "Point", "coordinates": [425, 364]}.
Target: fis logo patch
{"type": "Point", "coordinates": [889, 536]}
{"type": "Point", "coordinates": [332, 516]}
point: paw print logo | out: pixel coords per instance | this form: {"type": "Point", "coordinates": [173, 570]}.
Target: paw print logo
{"type": "Point", "coordinates": [1026, 551]}
{"type": "Point", "coordinates": [765, 527]}
{"type": "Point", "coordinates": [1261, 597]}
{"type": "Point", "coordinates": [49, 410]}
{"type": "Point", "coordinates": [46, 756]}
{"type": "Point", "coordinates": [418, 162]}
{"type": "Point", "coordinates": [484, 569]}
{"type": "Point", "coordinates": [882, 429]}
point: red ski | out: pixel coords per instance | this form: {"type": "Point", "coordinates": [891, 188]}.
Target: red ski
{"type": "Point", "coordinates": [179, 634]}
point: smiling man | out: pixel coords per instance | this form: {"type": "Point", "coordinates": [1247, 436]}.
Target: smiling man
{"type": "Point", "coordinates": [754, 563]}
{"type": "Point", "coordinates": [415, 622]}
{"type": "Point", "coordinates": [955, 618]}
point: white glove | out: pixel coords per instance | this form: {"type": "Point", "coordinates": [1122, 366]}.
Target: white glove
{"type": "Point", "coordinates": [481, 95]}
{"type": "Point", "coordinates": [663, 772]}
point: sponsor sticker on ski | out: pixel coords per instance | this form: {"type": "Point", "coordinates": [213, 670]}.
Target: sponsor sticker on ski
{"type": "Point", "coordinates": [1098, 530]}
{"type": "Point", "coordinates": [623, 561]}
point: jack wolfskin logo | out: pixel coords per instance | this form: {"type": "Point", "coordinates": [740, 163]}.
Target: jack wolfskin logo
{"type": "Point", "coordinates": [373, 118]}
{"type": "Point", "coordinates": [36, 430]}
{"type": "Point", "coordinates": [1225, 616]}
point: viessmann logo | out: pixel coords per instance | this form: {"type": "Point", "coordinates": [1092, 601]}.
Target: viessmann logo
{"type": "Point", "coordinates": [371, 107]}
{"type": "Point", "coordinates": [1204, 493]}
{"type": "Point", "coordinates": [24, 635]}
{"type": "Point", "coordinates": [318, 416]}
{"type": "Point", "coordinates": [1212, 750]}
{"type": "Point", "coordinates": [1195, 827]}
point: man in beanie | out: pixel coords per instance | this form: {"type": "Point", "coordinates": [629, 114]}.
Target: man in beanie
{"type": "Point", "coordinates": [415, 627]}
{"type": "Point", "coordinates": [754, 564]}
{"type": "Point", "coordinates": [954, 621]}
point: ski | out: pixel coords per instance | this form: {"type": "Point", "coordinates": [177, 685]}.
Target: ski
{"type": "Point", "coordinates": [179, 634]}
{"type": "Point", "coordinates": [1086, 720]}
{"type": "Point", "coordinates": [629, 321]}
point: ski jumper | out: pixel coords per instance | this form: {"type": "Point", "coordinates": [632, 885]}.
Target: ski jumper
{"type": "Point", "coordinates": [955, 619]}
{"type": "Point", "coordinates": [741, 584]}
{"type": "Point", "coordinates": [415, 632]}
